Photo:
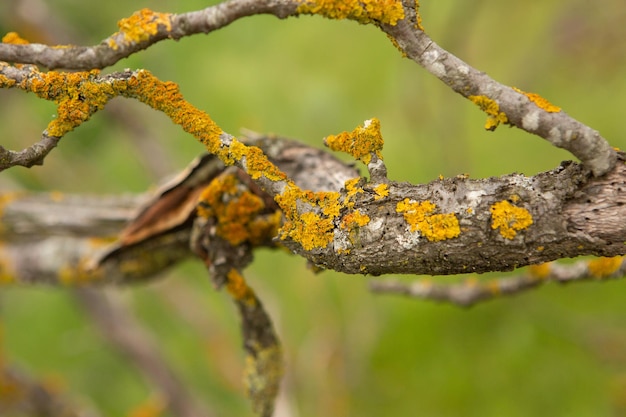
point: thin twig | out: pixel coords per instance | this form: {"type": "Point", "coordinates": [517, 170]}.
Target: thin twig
{"type": "Point", "coordinates": [33, 155]}
{"type": "Point", "coordinates": [472, 291]}
{"type": "Point", "coordinates": [154, 27]}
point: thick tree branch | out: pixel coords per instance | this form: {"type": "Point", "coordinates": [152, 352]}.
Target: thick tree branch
{"type": "Point", "coordinates": [459, 225]}
{"type": "Point", "coordinates": [449, 226]}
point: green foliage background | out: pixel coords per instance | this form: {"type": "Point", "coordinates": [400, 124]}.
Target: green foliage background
{"type": "Point", "coordinates": [558, 351]}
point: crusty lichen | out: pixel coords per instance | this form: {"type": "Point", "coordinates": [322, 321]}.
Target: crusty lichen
{"type": "Point", "coordinates": [509, 219]}
{"type": "Point", "coordinates": [382, 191]}
{"type": "Point", "coordinates": [363, 11]}
{"type": "Point", "coordinates": [435, 227]}
{"type": "Point", "coordinates": [354, 219]}
{"type": "Point", "coordinates": [238, 212]}
{"type": "Point", "coordinates": [492, 108]}
{"type": "Point", "coordinates": [262, 374]}
{"type": "Point", "coordinates": [313, 228]}
{"type": "Point", "coordinates": [541, 102]}
{"type": "Point", "coordinates": [14, 38]}
{"type": "Point", "coordinates": [604, 267]}
{"type": "Point", "coordinates": [141, 26]}
{"type": "Point", "coordinates": [361, 143]}
{"type": "Point", "coordinates": [239, 289]}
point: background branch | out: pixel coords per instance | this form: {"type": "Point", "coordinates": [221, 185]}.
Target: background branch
{"type": "Point", "coordinates": [473, 291]}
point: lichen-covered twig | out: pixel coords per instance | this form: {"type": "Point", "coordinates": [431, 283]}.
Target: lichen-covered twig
{"type": "Point", "coordinates": [473, 291]}
{"type": "Point", "coordinates": [226, 250]}
{"type": "Point", "coordinates": [401, 22]}
{"type": "Point", "coordinates": [503, 104]}
{"type": "Point", "coordinates": [138, 32]}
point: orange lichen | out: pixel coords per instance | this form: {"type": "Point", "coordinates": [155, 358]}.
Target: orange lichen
{"type": "Point", "coordinates": [6, 82]}
{"type": "Point", "coordinates": [77, 94]}
{"type": "Point", "coordinates": [141, 26]}
{"type": "Point", "coordinates": [329, 202]}
{"type": "Point", "coordinates": [14, 38]}
{"type": "Point", "coordinates": [165, 96]}
{"type": "Point", "coordinates": [540, 271]}
{"type": "Point", "coordinates": [382, 191]}
{"type": "Point", "coordinates": [354, 219]}
{"type": "Point", "coordinates": [509, 219]}
{"type": "Point", "coordinates": [258, 165]}
{"type": "Point", "coordinates": [491, 107]}
{"type": "Point", "coordinates": [434, 227]}
{"type": "Point", "coordinates": [604, 267]}
{"type": "Point", "coordinates": [313, 229]}
{"type": "Point", "coordinates": [363, 11]}
{"type": "Point", "coordinates": [237, 212]}
{"type": "Point", "coordinates": [541, 102]}
{"type": "Point", "coordinates": [239, 289]}
{"type": "Point", "coordinates": [361, 142]}
{"type": "Point", "coordinates": [310, 230]}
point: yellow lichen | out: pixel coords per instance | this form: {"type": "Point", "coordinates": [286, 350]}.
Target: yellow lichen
{"type": "Point", "coordinates": [435, 227]}
{"type": "Point", "coordinates": [604, 267]}
{"type": "Point", "coordinates": [237, 212]}
{"type": "Point", "coordinates": [310, 230]}
{"type": "Point", "coordinates": [262, 375]}
{"type": "Point", "coordinates": [239, 289]}
{"type": "Point", "coordinates": [540, 271]}
{"type": "Point", "coordinates": [141, 26]}
{"type": "Point", "coordinates": [382, 191]}
{"type": "Point", "coordinates": [329, 202]}
{"type": "Point", "coordinates": [76, 94]}
{"type": "Point", "coordinates": [491, 107]}
{"type": "Point", "coordinates": [7, 271]}
{"type": "Point", "coordinates": [166, 97]}
{"type": "Point", "coordinates": [509, 219]}
{"type": "Point", "coordinates": [354, 219]}
{"type": "Point", "coordinates": [14, 38]}
{"type": "Point", "coordinates": [361, 142]}
{"type": "Point", "coordinates": [541, 102]}
{"type": "Point", "coordinates": [363, 11]}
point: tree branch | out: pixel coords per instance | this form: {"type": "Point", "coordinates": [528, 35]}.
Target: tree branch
{"type": "Point", "coordinates": [33, 155]}
{"type": "Point", "coordinates": [503, 104]}
{"type": "Point", "coordinates": [402, 24]}
{"type": "Point", "coordinates": [139, 31]}
{"type": "Point", "coordinates": [472, 291]}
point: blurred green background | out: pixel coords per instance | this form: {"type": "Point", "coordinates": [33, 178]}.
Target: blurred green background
{"type": "Point", "coordinates": [557, 351]}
